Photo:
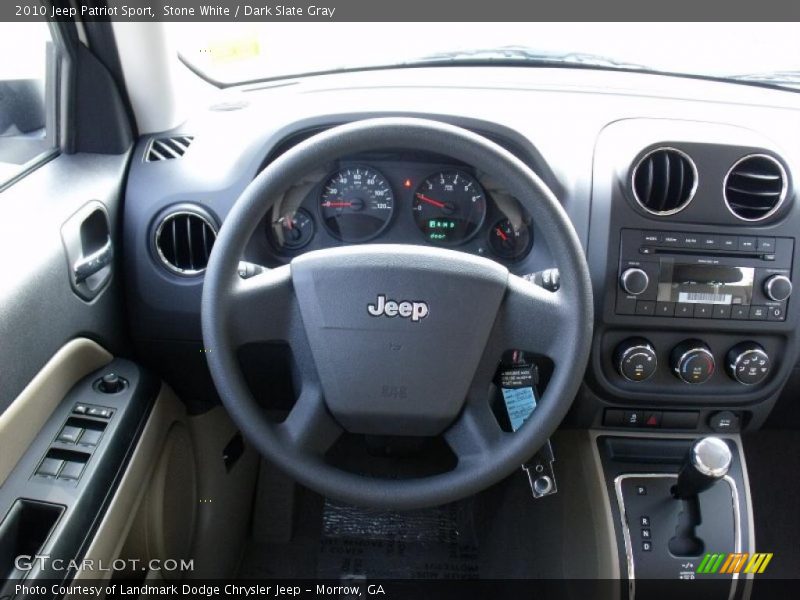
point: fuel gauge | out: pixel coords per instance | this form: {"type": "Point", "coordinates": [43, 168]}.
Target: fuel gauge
{"type": "Point", "coordinates": [510, 241]}
{"type": "Point", "coordinates": [292, 232]}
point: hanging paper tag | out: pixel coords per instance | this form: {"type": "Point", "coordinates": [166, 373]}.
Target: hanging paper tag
{"type": "Point", "coordinates": [518, 393]}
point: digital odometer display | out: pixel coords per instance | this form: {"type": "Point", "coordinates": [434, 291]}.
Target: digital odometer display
{"type": "Point", "coordinates": [449, 207]}
{"type": "Point", "coordinates": [356, 204]}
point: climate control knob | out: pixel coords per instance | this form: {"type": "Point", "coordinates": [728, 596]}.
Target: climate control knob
{"type": "Point", "coordinates": [635, 359]}
{"type": "Point", "coordinates": [634, 281]}
{"type": "Point", "coordinates": [692, 361]}
{"type": "Point", "coordinates": [747, 363]}
{"type": "Point", "coordinates": [778, 288]}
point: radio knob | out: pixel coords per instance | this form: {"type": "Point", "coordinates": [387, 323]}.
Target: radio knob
{"type": "Point", "coordinates": [636, 359]}
{"type": "Point", "coordinates": [778, 288]}
{"type": "Point", "coordinates": [692, 362]}
{"type": "Point", "coordinates": [748, 363]}
{"type": "Point", "coordinates": [634, 281]}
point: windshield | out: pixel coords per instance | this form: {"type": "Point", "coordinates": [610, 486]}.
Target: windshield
{"type": "Point", "coordinates": [236, 52]}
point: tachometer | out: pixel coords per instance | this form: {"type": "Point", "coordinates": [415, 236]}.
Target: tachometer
{"type": "Point", "coordinates": [356, 204]}
{"type": "Point", "coordinates": [449, 207]}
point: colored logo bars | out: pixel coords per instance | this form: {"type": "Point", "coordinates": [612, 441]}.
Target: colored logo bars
{"type": "Point", "coordinates": [734, 563]}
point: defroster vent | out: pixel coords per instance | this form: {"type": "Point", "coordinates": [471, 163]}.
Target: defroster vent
{"type": "Point", "coordinates": [167, 148]}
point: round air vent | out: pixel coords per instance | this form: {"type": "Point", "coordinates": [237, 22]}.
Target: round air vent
{"type": "Point", "coordinates": [184, 240]}
{"type": "Point", "coordinates": [664, 181]}
{"type": "Point", "coordinates": [755, 187]}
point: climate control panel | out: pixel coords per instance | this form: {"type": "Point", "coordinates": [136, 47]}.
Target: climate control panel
{"type": "Point", "coordinates": [692, 361]}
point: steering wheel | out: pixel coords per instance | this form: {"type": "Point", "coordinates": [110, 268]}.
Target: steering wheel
{"type": "Point", "coordinates": [421, 366]}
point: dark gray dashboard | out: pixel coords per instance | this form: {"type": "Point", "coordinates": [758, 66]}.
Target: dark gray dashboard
{"type": "Point", "coordinates": [581, 131]}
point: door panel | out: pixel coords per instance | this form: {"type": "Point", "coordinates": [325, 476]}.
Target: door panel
{"type": "Point", "coordinates": [39, 310]}
{"type": "Point", "coordinates": [22, 420]}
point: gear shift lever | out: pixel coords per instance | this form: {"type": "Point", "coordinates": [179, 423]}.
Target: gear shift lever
{"type": "Point", "coordinates": [708, 462]}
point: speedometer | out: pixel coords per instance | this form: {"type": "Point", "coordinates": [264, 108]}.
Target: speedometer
{"type": "Point", "coordinates": [356, 204]}
{"type": "Point", "coordinates": [449, 207]}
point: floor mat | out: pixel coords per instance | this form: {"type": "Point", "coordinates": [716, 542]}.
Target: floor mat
{"type": "Point", "coordinates": [434, 543]}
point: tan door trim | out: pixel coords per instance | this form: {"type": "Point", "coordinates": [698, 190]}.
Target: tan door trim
{"type": "Point", "coordinates": [27, 414]}
{"type": "Point", "coordinates": [113, 530]}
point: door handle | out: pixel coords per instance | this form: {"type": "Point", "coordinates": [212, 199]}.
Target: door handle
{"type": "Point", "coordinates": [96, 261]}
{"type": "Point", "coordinates": [89, 250]}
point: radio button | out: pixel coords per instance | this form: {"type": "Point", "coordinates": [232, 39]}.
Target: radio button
{"type": "Point", "coordinates": [740, 312]}
{"type": "Point", "coordinates": [703, 311]}
{"type": "Point", "coordinates": [758, 313]}
{"type": "Point", "coordinates": [690, 240]}
{"type": "Point", "coordinates": [728, 242]}
{"type": "Point", "coordinates": [626, 305]}
{"type": "Point", "coordinates": [645, 307]}
{"type": "Point", "coordinates": [651, 237]}
{"type": "Point", "coordinates": [671, 239]}
{"type": "Point", "coordinates": [747, 244]}
{"type": "Point", "coordinates": [776, 313]}
{"type": "Point", "coordinates": [682, 309]}
{"type": "Point", "coordinates": [646, 250]}
{"type": "Point", "coordinates": [634, 281]}
{"type": "Point", "coordinates": [766, 244]}
{"type": "Point", "coordinates": [665, 309]}
{"type": "Point", "coordinates": [709, 241]}
{"type": "Point", "coordinates": [778, 288]}
{"type": "Point", "coordinates": [721, 311]}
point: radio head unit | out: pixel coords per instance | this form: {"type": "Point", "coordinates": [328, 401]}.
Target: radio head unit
{"type": "Point", "coordinates": [691, 275]}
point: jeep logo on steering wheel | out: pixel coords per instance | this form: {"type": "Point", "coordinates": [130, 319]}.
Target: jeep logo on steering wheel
{"type": "Point", "coordinates": [416, 311]}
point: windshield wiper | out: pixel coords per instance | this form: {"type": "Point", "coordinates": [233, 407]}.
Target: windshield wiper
{"type": "Point", "coordinates": [778, 78]}
{"type": "Point", "coordinates": [527, 55]}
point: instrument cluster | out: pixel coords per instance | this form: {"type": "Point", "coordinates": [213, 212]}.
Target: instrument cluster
{"type": "Point", "coordinates": [381, 200]}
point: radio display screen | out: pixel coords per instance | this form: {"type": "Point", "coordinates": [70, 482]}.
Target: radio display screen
{"type": "Point", "coordinates": [705, 284]}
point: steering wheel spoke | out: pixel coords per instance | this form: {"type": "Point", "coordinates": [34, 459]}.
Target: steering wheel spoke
{"type": "Point", "coordinates": [263, 308]}
{"type": "Point", "coordinates": [310, 427]}
{"type": "Point", "coordinates": [531, 319]}
{"type": "Point", "coordinates": [476, 431]}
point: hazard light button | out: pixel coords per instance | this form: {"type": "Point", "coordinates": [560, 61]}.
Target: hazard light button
{"type": "Point", "coordinates": [652, 419]}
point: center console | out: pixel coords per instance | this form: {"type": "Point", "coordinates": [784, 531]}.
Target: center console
{"type": "Point", "coordinates": [681, 511]}
{"type": "Point", "coordinates": [693, 255]}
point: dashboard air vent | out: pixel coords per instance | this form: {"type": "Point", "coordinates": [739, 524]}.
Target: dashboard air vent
{"type": "Point", "coordinates": [755, 187]}
{"type": "Point", "coordinates": [169, 147]}
{"type": "Point", "coordinates": [184, 240]}
{"type": "Point", "coordinates": [664, 181]}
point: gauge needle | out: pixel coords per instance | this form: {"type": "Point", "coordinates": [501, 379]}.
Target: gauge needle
{"type": "Point", "coordinates": [330, 204]}
{"type": "Point", "coordinates": [501, 234]}
{"type": "Point", "coordinates": [436, 203]}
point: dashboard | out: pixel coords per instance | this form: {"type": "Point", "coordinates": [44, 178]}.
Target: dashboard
{"type": "Point", "coordinates": [682, 192]}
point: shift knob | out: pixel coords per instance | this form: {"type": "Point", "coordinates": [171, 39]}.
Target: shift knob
{"type": "Point", "coordinates": [708, 462]}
